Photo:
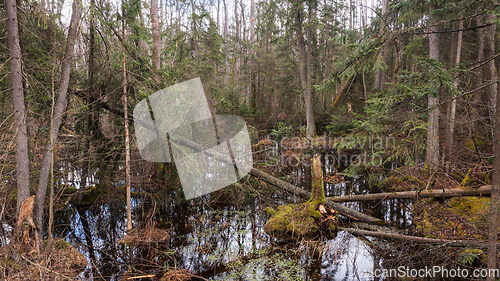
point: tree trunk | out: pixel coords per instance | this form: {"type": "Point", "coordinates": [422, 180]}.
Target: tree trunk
{"type": "Point", "coordinates": [489, 69]}
{"type": "Point", "coordinates": [317, 190]}
{"type": "Point", "coordinates": [237, 39]}
{"type": "Point", "coordinates": [226, 63]}
{"type": "Point", "coordinates": [477, 110]}
{"type": "Point", "coordinates": [433, 128]}
{"type": "Point", "coordinates": [90, 93]}
{"type": "Point", "coordinates": [380, 76]}
{"type": "Point", "coordinates": [495, 191]}
{"type": "Point", "coordinates": [218, 11]}
{"type": "Point", "coordinates": [301, 58]}
{"type": "Point", "coordinates": [60, 107]}
{"type": "Point", "coordinates": [127, 143]}
{"type": "Point", "coordinates": [438, 193]}
{"type": "Point", "coordinates": [155, 28]}
{"type": "Point", "coordinates": [400, 237]}
{"type": "Point", "coordinates": [310, 71]}
{"type": "Point", "coordinates": [193, 30]}
{"type": "Point", "coordinates": [249, 102]}
{"type": "Point", "coordinates": [22, 160]}
{"type": "Point", "coordinates": [453, 104]}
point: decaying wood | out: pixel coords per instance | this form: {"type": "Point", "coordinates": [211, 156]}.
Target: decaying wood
{"type": "Point", "coordinates": [305, 194]}
{"type": "Point", "coordinates": [23, 233]}
{"type": "Point", "coordinates": [438, 193]}
{"type": "Point", "coordinates": [26, 211]}
{"type": "Point", "coordinates": [400, 237]}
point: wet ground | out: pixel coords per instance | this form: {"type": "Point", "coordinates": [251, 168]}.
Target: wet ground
{"type": "Point", "coordinates": [225, 242]}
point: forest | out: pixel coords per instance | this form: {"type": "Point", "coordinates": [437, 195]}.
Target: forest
{"type": "Point", "coordinates": [373, 132]}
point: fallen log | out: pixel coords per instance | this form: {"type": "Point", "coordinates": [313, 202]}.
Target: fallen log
{"type": "Point", "coordinates": [306, 195]}
{"type": "Point", "coordinates": [260, 174]}
{"type": "Point", "coordinates": [454, 192]}
{"type": "Point", "coordinates": [401, 237]}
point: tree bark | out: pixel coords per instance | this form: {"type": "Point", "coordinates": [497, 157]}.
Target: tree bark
{"type": "Point", "coordinates": [400, 237]}
{"type": "Point", "coordinates": [155, 30]}
{"type": "Point", "coordinates": [58, 112]}
{"type": "Point", "coordinates": [495, 190]}
{"type": "Point", "coordinates": [127, 142]}
{"type": "Point", "coordinates": [433, 128]}
{"type": "Point", "coordinates": [477, 110]}
{"type": "Point", "coordinates": [489, 69]}
{"type": "Point", "coordinates": [317, 190]}
{"type": "Point", "coordinates": [453, 104]}
{"type": "Point", "coordinates": [380, 76]}
{"type": "Point", "coordinates": [237, 39]}
{"type": "Point", "coordinates": [193, 30]}
{"type": "Point", "coordinates": [22, 160]}
{"type": "Point", "coordinates": [442, 193]}
{"type": "Point", "coordinates": [301, 58]}
{"type": "Point", "coordinates": [250, 94]}
{"type": "Point", "coordinates": [226, 63]}
{"type": "Point", "coordinates": [310, 69]}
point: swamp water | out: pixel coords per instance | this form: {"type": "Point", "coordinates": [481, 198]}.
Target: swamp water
{"type": "Point", "coordinates": [222, 242]}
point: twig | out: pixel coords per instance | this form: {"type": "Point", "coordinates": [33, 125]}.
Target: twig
{"type": "Point", "coordinates": [44, 268]}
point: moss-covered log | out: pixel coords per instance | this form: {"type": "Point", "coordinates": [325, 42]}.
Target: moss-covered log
{"type": "Point", "coordinates": [305, 194]}
{"type": "Point", "coordinates": [298, 220]}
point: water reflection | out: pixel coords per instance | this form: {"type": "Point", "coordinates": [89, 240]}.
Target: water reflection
{"type": "Point", "coordinates": [221, 242]}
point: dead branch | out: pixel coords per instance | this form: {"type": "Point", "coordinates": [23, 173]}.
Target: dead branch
{"type": "Point", "coordinates": [443, 193]}
{"type": "Point", "coordinates": [424, 240]}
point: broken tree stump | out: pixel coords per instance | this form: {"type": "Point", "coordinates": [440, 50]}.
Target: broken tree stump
{"type": "Point", "coordinates": [303, 219]}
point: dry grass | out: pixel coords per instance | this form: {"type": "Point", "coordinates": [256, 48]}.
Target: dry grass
{"type": "Point", "coordinates": [179, 275]}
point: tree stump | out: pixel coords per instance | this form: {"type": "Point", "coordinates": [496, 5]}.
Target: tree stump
{"type": "Point", "coordinates": [304, 219]}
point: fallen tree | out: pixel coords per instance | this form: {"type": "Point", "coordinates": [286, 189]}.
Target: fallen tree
{"type": "Point", "coordinates": [306, 195]}
{"type": "Point", "coordinates": [258, 173]}
{"type": "Point", "coordinates": [454, 192]}
{"type": "Point", "coordinates": [425, 240]}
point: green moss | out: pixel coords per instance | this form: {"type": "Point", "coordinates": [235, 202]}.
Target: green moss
{"type": "Point", "coordinates": [474, 208]}
{"type": "Point", "coordinates": [311, 205]}
{"type": "Point", "coordinates": [469, 143]}
{"type": "Point", "coordinates": [333, 227]}
{"type": "Point", "coordinates": [466, 180]}
{"type": "Point", "coordinates": [270, 211]}
{"type": "Point", "coordinates": [291, 221]}
{"type": "Point", "coordinates": [469, 180]}
{"type": "Point", "coordinates": [70, 189]}
{"type": "Point", "coordinates": [296, 220]}
{"type": "Point", "coordinates": [425, 225]}
{"type": "Point", "coordinates": [61, 244]}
